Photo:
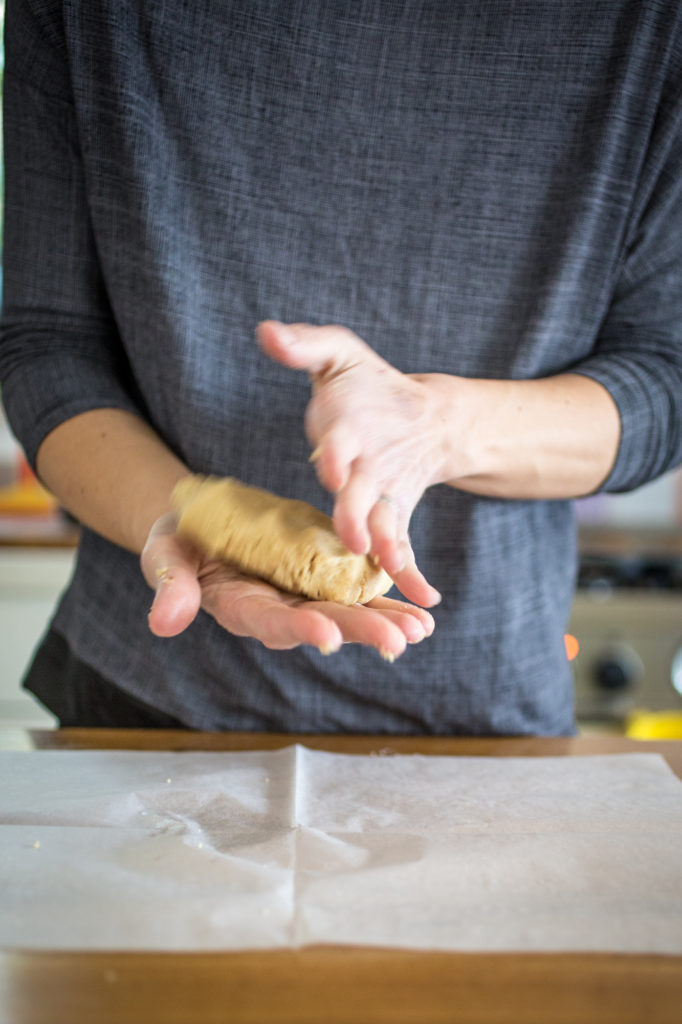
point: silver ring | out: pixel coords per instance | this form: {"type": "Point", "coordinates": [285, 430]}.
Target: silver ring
{"type": "Point", "coordinates": [388, 500]}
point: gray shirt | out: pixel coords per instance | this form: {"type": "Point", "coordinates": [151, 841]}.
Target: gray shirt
{"type": "Point", "coordinates": [488, 189]}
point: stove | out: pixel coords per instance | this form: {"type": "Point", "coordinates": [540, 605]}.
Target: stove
{"type": "Point", "coordinates": [627, 619]}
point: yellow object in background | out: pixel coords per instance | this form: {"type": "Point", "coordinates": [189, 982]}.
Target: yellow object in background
{"type": "Point", "coordinates": [25, 495]}
{"type": "Point", "coordinates": [654, 725]}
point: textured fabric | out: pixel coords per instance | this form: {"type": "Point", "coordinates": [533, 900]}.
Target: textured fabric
{"type": "Point", "coordinates": [80, 696]}
{"type": "Point", "coordinates": [487, 189]}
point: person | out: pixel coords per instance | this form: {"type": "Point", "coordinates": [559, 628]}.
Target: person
{"type": "Point", "coordinates": [461, 224]}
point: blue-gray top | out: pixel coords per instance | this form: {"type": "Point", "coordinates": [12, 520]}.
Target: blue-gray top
{"type": "Point", "coordinates": [489, 189]}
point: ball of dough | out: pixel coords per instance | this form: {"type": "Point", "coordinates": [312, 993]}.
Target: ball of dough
{"type": "Point", "coordinates": [289, 543]}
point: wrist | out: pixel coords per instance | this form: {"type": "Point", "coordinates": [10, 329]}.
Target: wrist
{"type": "Point", "coordinates": [457, 445]}
{"type": "Point", "coordinates": [548, 438]}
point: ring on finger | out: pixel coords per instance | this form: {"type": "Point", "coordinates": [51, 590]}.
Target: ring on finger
{"type": "Point", "coordinates": [388, 500]}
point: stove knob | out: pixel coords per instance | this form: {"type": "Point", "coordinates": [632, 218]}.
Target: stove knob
{"type": "Point", "coordinates": [616, 668]}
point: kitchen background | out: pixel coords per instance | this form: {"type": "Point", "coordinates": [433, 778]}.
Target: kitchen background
{"type": "Point", "coordinates": [625, 637]}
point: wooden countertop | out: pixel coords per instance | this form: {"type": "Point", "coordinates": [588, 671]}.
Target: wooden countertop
{"type": "Point", "coordinates": [326, 985]}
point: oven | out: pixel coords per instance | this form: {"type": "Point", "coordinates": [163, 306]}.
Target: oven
{"type": "Point", "coordinates": [627, 619]}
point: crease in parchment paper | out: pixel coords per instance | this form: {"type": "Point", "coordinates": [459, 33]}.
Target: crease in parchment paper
{"type": "Point", "coordinates": [287, 848]}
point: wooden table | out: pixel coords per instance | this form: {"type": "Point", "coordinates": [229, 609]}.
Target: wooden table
{"type": "Point", "coordinates": [333, 985]}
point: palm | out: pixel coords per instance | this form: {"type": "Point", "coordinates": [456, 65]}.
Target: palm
{"type": "Point", "coordinates": [250, 607]}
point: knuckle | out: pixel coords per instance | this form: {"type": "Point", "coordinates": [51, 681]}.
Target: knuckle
{"type": "Point", "coordinates": [341, 331]}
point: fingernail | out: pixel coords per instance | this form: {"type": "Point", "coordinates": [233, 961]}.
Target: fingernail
{"type": "Point", "coordinates": [315, 454]}
{"type": "Point", "coordinates": [328, 648]}
{"type": "Point", "coordinates": [386, 655]}
{"type": "Point", "coordinates": [418, 640]}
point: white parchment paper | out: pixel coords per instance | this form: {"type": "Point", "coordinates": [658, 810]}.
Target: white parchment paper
{"type": "Point", "coordinates": [201, 851]}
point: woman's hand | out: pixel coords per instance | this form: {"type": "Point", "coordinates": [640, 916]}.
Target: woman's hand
{"type": "Point", "coordinates": [184, 582]}
{"type": "Point", "coordinates": [379, 441]}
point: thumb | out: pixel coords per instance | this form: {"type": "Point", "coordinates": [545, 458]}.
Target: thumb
{"type": "Point", "coordinates": [170, 568]}
{"type": "Point", "coordinates": [321, 351]}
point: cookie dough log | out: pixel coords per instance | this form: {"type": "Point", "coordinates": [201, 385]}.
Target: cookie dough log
{"type": "Point", "coordinates": [288, 543]}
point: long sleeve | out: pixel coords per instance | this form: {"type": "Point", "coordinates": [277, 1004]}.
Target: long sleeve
{"type": "Point", "coordinates": [638, 353]}
{"type": "Point", "coordinates": [60, 353]}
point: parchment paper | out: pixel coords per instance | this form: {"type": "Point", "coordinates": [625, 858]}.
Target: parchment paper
{"type": "Point", "coordinates": [207, 851]}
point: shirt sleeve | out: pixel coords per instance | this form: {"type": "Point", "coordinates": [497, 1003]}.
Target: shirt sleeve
{"type": "Point", "coordinates": [60, 352]}
{"type": "Point", "coordinates": [638, 354]}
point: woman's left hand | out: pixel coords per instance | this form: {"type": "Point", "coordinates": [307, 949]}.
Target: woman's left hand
{"type": "Point", "coordinates": [379, 440]}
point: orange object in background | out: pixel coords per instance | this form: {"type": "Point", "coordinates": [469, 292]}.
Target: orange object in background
{"type": "Point", "coordinates": [572, 646]}
{"type": "Point", "coordinates": [26, 495]}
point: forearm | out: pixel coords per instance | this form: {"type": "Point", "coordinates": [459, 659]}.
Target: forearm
{"type": "Point", "coordinates": [112, 472]}
{"type": "Point", "coordinates": [552, 438]}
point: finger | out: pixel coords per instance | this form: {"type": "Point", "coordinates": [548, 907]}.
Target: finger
{"type": "Point", "coordinates": [389, 605]}
{"type": "Point", "coordinates": [260, 611]}
{"type": "Point", "coordinates": [410, 626]}
{"type": "Point", "coordinates": [369, 626]}
{"type": "Point", "coordinates": [334, 457]}
{"type": "Point", "coordinates": [171, 569]}
{"type": "Point", "coordinates": [396, 556]}
{"type": "Point", "coordinates": [384, 529]}
{"type": "Point", "coordinates": [351, 509]}
{"type": "Point", "coordinates": [414, 585]}
{"type": "Point", "coordinates": [318, 350]}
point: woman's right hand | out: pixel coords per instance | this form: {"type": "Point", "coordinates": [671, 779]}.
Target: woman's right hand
{"type": "Point", "coordinates": [185, 581]}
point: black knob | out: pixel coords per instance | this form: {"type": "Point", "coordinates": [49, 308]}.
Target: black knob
{"type": "Point", "coordinates": [617, 668]}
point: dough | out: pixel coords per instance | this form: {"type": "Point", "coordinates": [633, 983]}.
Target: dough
{"type": "Point", "coordinates": [288, 543]}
